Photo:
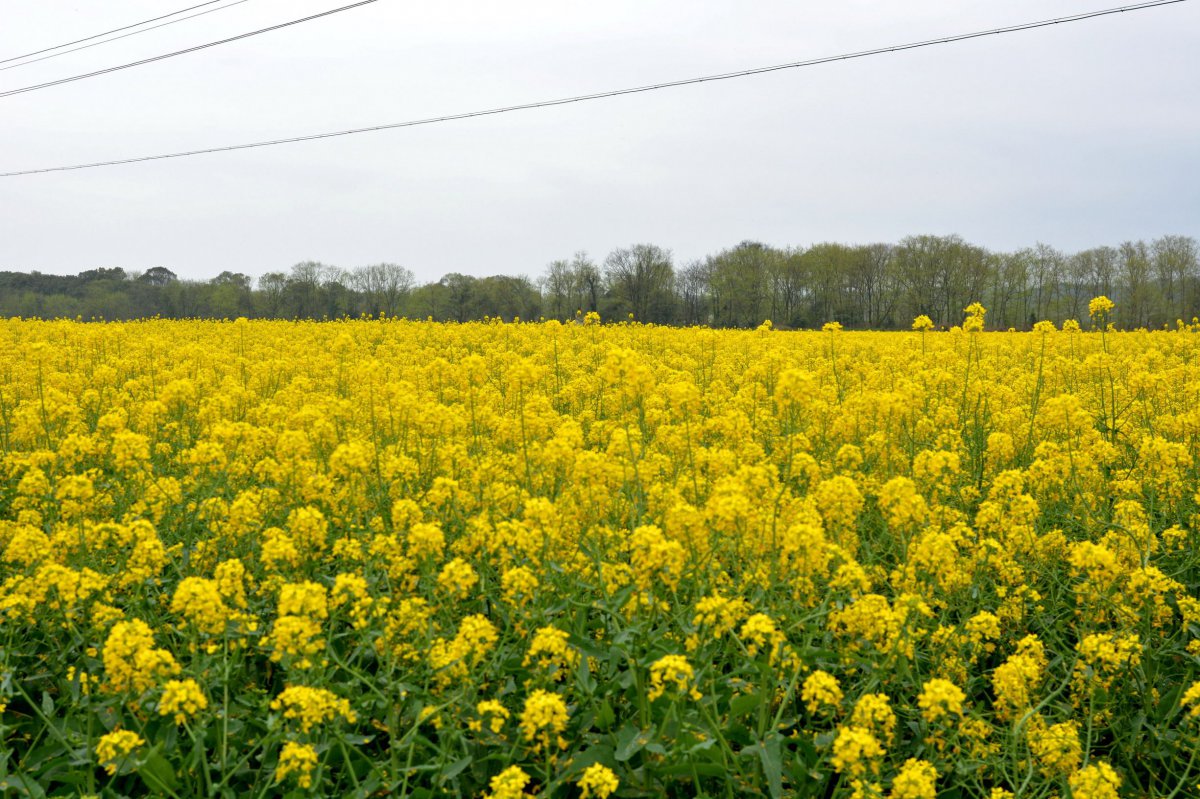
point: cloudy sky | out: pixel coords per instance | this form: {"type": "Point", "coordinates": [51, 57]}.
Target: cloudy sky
{"type": "Point", "coordinates": [1075, 135]}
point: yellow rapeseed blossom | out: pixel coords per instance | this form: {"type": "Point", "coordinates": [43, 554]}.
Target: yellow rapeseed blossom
{"type": "Point", "coordinates": [874, 712]}
{"type": "Point", "coordinates": [1097, 780]}
{"type": "Point", "coordinates": [132, 662]}
{"type": "Point", "coordinates": [115, 747]}
{"type": "Point", "coordinates": [454, 658]}
{"type": "Point", "coordinates": [199, 601]}
{"type": "Point", "coordinates": [1099, 307]}
{"type": "Point", "coordinates": [307, 599]}
{"type": "Point", "coordinates": [673, 673]}
{"type": "Point", "coordinates": [491, 714]}
{"type": "Point", "coordinates": [543, 720]}
{"type": "Point", "coordinates": [351, 529]}
{"type": "Point", "coordinates": [820, 691]}
{"type": "Point", "coordinates": [508, 784]}
{"type": "Point", "coordinates": [298, 761]}
{"type": "Point", "coordinates": [552, 652]}
{"type": "Point", "coordinates": [856, 752]}
{"type": "Point", "coordinates": [719, 614]}
{"type": "Point", "coordinates": [457, 578]}
{"type": "Point", "coordinates": [297, 638]}
{"type": "Point", "coordinates": [1057, 748]}
{"type": "Point", "coordinates": [425, 540]}
{"type": "Point", "coordinates": [915, 780]}
{"type": "Point", "coordinates": [941, 699]}
{"type": "Point", "coordinates": [1191, 700]}
{"type": "Point", "coordinates": [761, 635]}
{"type": "Point", "coordinates": [312, 706]}
{"type": "Point", "coordinates": [597, 781]}
{"type": "Point", "coordinates": [182, 700]}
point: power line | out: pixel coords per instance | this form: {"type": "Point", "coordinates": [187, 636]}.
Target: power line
{"type": "Point", "coordinates": [152, 59]}
{"type": "Point", "coordinates": [616, 92]}
{"type": "Point", "coordinates": [114, 30]}
{"type": "Point", "coordinates": [117, 38]}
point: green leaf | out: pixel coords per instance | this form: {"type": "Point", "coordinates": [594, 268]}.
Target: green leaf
{"type": "Point", "coordinates": [583, 677]}
{"type": "Point", "coordinates": [630, 741]}
{"type": "Point", "coordinates": [157, 773]}
{"type": "Point", "coordinates": [772, 763]}
{"type": "Point", "coordinates": [454, 769]}
{"type": "Point", "coordinates": [600, 753]}
{"type": "Point", "coordinates": [744, 704]}
{"type": "Point", "coordinates": [605, 716]}
{"type": "Point", "coordinates": [22, 786]}
{"type": "Point", "coordinates": [687, 769]}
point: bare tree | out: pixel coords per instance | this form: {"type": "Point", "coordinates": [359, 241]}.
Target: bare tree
{"type": "Point", "coordinates": [1136, 286]}
{"type": "Point", "coordinates": [1175, 269]}
{"type": "Point", "coordinates": [558, 288]}
{"type": "Point", "coordinates": [642, 279]}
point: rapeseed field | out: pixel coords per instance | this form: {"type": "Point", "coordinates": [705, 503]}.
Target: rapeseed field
{"type": "Point", "coordinates": [396, 558]}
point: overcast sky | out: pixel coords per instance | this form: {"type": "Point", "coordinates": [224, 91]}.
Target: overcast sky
{"type": "Point", "coordinates": [1075, 135]}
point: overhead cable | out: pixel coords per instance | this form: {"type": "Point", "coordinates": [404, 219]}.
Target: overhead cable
{"type": "Point", "coordinates": [164, 56]}
{"type": "Point", "coordinates": [98, 35]}
{"type": "Point", "coordinates": [612, 93]}
{"type": "Point", "coordinates": [122, 36]}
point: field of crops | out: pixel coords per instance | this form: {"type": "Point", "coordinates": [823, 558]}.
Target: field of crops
{"type": "Point", "coordinates": [372, 558]}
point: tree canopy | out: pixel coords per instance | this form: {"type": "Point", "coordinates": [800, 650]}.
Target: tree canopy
{"type": "Point", "coordinates": [878, 285]}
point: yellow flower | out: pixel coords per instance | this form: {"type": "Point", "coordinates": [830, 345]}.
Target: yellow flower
{"type": "Point", "coordinates": [1015, 680]}
{"type": "Point", "coordinates": [491, 712]}
{"type": "Point", "coordinates": [1057, 748]}
{"type": "Point", "coordinates": [457, 578]}
{"type": "Point", "coordinates": [508, 784]}
{"type": "Point", "coordinates": [199, 601]}
{"type": "Point", "coordinates": [820, 690]}
{"type": "Point", "coordinates": [453, 659]}
{"type": "Point", "coordinates": [297, 637]}
{"type": "Point", "coordinates": [352, 590]}
{"type": "Point", "coordinates": [720, 614]}
{"type": "Point", "coordinates": [598, 781]}
{"type": "Point", "coordinates": [312, 706]}
{"type": "Point", "coordinates": [182, 699]}
{"type": "Point", "coordinates": [518, 584]}
{"type": "Point", "coordinates": [303, 599]}
{"type": "Point", "coordinates": [655, 558]}
{"type": "Point", "coordinates": [296, 760]}
{"type": "Point", "coordinates": [856, 751]}
{"type": "Point", "coordinates": [112, 749]}
{"type": "Point", "coordinates": [543, 720]}
{"type": "Point", "coordinates": [916, 780]}
{"type": "Point", "coordinates": [672, 671]}
{"type": "Point", "coordinates": [940, 699]}
{"type": "Point", "coordinates": [761, 635]}
{"type": "Point", "coordinates": [874, 712]}
{"type": "Point", "coordinates": [1097, 780]}
{"type": "Point", "coordinates": [552, 652]}
{"type": "Point", "coordinates": [922, 323]}
{"type": "Point", "coordinates": [1099, 307]}
{"type": "Point", "coordinates": [1191, 700]}
{"type": "Point", "coordinates": [230, 576]}
{"type": "Point", "coordinates": [426, 540]}
{"type": "Point", "coordinates": [132, 662]}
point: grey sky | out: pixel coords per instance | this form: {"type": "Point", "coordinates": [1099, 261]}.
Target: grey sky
{"type": "Point", "coordinates": [1075, 135]}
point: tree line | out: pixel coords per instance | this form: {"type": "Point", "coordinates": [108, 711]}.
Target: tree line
{"type": "Point", "coordinates": [877, 286]}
